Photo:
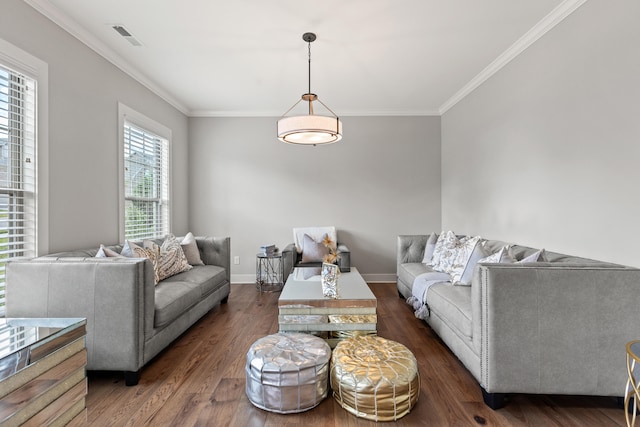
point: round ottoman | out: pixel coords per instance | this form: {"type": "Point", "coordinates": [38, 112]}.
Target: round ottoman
{"type": "Point", "coordinates": [374, 378]}
{"type": "Point", "coordinates": [287, 372]}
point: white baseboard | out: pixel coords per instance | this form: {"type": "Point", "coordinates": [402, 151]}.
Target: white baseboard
{"type": "Point", "coordinates": [369, 278]}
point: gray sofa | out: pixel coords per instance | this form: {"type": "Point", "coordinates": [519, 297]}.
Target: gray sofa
{"type": "Point", "coordinates": [129, 318]}
{"type": "Point", "coordinates": [553, 327]}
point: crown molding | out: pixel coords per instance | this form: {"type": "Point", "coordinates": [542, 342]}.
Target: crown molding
{"type": "Point", "coordinates": [536, 32]}
{"type": "Point", "coordinates": [554, 17]}
{"type": "Point", "coordinates": [407, 113]}
{"type": "Point", "coordinates": [76, 30]}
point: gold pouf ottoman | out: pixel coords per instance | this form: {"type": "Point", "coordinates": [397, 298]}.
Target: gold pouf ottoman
{"type": "Point", "coordinates": [287, 372]}
{"type": "Point", "coordinates": [374, 378]}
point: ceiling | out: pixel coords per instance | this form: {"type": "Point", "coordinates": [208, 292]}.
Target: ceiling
{"type": "Point", "coordinates": [371, 57]}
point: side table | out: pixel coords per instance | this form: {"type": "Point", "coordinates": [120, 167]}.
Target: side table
{"type": "Point", "coordinates": [269, 272]}
{"type": "Point", "coordinates": [632, 390]}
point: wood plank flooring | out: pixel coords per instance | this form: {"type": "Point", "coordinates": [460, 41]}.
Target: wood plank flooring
{"type": "Point", "coordinates": [199, 380]}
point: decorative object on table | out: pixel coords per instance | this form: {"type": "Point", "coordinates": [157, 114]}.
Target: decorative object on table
{"type": "Point", "coordinates": [287, 373]}
{"type": "Point", "coordinates": [309, 129]}
{"type": "Point", "coordinates": [329, 278]}
{"type": "Point", "coordinates": [268, 250]}
{"type": "Point", "coordinates": [332, 246]}
{"type": "Point", "coordinates": [374, 378]}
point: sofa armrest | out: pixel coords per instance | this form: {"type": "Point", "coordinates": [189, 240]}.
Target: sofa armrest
{"type": "Point", "coordinates": [115, 295]}
{"type": "Point", "coordinates": [344, 258]}
{"type": "Point", "coordinates": [216, 251]}
{"type": "Point", "coordinates": [554, 328]}
{"type": "Point", "coordinates": [410, 248]}
{"type": "Point", "coordinates": [289, 258]}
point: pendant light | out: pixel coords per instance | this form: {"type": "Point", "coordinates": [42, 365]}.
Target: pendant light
{"type": "Point", "coordinates": [310, 129]}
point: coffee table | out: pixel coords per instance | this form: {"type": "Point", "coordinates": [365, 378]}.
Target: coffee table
{"type": "Point", "coordinates": [303, 308]}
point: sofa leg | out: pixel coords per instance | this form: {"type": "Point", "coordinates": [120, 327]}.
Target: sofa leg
{"type": "Point", "coordinates": [400, 295]}
{"type": "Point", "coordinates": [224, 300]}
{"type": "Point", "coordinates": [131, 378]}
{"type": "Point", "coordinates": [493, 400]}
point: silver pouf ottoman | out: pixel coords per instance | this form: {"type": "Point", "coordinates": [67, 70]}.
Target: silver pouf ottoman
{"type": "Point", "coordinates": [287, 372]}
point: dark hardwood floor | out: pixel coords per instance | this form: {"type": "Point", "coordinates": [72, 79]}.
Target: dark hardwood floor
{"type": "Point", "coordinates": [199, 380]}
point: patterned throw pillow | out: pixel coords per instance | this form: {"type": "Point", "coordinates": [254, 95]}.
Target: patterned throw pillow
{"type": "Point", "coordinates": [167, 260]}
{"type": "Point", "coordinates": [444, 253]}
{"type": "Point", "coordinates": [439, 247]}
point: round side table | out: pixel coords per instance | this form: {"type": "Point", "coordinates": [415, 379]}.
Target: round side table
{"type": "Point", "coordinates": [269, 272]}
{"type": "Point", "coordinates": [632, 390]}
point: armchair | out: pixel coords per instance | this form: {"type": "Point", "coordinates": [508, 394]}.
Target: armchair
{"type": "Point", "coordinates": [293, 255]}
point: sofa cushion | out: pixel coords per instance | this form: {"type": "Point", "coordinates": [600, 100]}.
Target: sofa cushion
{"type": "Point", "coordinates": [453, 305]}
{"type": "Point", "coordinates": [172, 300]}
{"type": "Point", "coordinates": [409, 271]}
{"type": "Point", "coordinates": [208, 277]}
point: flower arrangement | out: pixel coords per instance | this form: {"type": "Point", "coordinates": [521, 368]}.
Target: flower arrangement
{"type": "Point", "coordinates": [333, 255]}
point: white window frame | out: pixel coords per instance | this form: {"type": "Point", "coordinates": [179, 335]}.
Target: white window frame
{"type": "Point", "coordinates": [129, 115]}
{"type": "Point", "coordinates": [24, 63]}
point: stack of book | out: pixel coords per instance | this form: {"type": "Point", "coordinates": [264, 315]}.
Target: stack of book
{"type": "Point", "coordinates": [268, 250]}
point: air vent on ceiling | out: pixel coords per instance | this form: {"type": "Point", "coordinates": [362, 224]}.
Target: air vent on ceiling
{"type": "Point", "coordinates": [126, 34]}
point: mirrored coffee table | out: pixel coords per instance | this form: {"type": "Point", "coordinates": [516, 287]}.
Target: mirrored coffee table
{"type": "Point", "coordinates": [303, 308]}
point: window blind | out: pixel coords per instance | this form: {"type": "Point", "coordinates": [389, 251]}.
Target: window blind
{"type": "Point", "coordinates": [17, 169]}
{"type": "Point", "coordinates": [146, 180]}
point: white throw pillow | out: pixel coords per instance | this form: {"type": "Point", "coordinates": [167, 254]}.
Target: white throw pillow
{"type": "Point", "coordinates": [429, 248]}
{"type": "Point", "coordinates": [105, 252]}
{"type": "Point", "coordinates": [537, 256]}
{"type": "Point", "coordinates": [190, 249]}
{"type": "Point", "coordinates": [129, 250]}
{"type": "Point", "coordinates": [468, 254]}
{"type": "Point", "coordinates": [500, 257]}
{"type": "Point", "coordinates": [316, 233]}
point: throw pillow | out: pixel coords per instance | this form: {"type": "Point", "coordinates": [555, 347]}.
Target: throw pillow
{"type": "Point", "coordinates": [537, 256]}
{"type": "Point", "coordinates": [105, 252]}
{"type": "Point", "coordinates": [445, 252]}
{"type": "Point", "coordinates": [500, 257]}
{"type": "Point", "coordinates": [468, 254]}
{"type": "Point", "coordinates": [313, 251]}
{"type": "Point", "coordinates": [129, 250]}
{"type": "Point", "coordinates": [429, 248]}
{"type": "Point", "coordinates": [190, 249]}
{"type": "Point", "coordinates": [167, 259]}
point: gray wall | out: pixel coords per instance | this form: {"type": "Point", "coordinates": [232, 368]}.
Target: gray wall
{"type": "Point", "coordinates": [381, 180]}
{"type": "Point", "coordinates": [545, 153]}
{"type": "Point", "coordinates": [84, 91]}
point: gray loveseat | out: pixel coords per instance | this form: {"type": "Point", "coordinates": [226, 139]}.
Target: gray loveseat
{"type": "Point", "coordinates": [129, 318]}
{"type": "Point", "coordinates": [553, 327]}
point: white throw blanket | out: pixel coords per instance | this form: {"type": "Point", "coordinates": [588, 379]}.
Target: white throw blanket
{"type": "Point", "coordinates": [421, 284]}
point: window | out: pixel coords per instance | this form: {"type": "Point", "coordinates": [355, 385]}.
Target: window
{"type": "Point", "coordinates": [17, 169]}
{"type": "Point", "coordinates": [146, 181]}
